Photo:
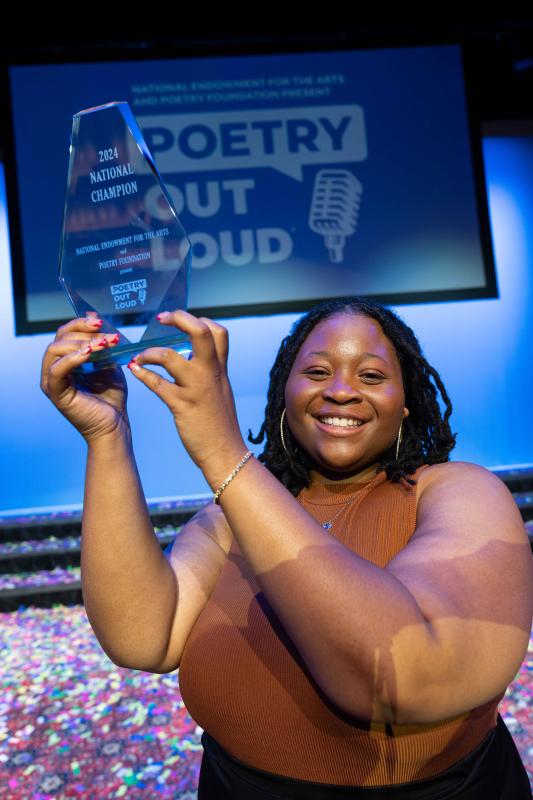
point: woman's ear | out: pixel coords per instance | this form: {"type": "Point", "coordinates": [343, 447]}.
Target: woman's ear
{"type": "Point", "coordinates": [405, 412]}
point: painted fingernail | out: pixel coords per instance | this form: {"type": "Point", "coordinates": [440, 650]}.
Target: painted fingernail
{"type": "Point", "coordinates": [86, 350]}
{"type": "Point", "coordinates": [97, 322]}
{"type": "Point", "coordinates": [115, 338]}
{"type": "Point", "coordinates": [101, 342]}
{"type": "Point", "coordinates": [133, 365]}
{"type": "Point", "coordinates": [163, 314]}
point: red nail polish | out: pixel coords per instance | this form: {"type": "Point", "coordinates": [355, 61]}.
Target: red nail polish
{"type": "Point", "coordinates": [115, 338]}
{"type": "Point", "coordinates": [101, 342]}
{"type": "Point", "coordinates": [97, 322]}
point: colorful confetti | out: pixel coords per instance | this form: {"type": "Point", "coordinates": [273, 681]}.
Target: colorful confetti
{"type": "Point", "coordinates": [74, 725]}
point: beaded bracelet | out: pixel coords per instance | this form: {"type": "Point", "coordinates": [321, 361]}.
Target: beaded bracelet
{"type": "Point", "coordinates": [232, 474]}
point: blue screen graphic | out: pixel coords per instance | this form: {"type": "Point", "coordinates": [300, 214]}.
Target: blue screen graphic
{"type": "Point", "coordinates": [296, 177]}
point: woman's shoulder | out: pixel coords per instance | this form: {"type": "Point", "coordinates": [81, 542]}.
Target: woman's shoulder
{"type": "Point", "coordinates": [461, 472]}
{"type": "Point", "coordinates": [461, 487]}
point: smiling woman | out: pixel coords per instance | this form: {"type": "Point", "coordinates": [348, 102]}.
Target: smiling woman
{"type": "Point", "coordinates": [341, 616]}
{"type": "Point", "coordinates": [368, 365]}
{"type": "Point", "coordinates": [344, 395]}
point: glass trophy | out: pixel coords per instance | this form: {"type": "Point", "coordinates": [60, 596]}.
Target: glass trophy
{"type": "Point", "coordinates": [124, 253]}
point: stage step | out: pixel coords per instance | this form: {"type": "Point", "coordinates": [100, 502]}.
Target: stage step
{"type": "Point", "coordinates": [40, 553]}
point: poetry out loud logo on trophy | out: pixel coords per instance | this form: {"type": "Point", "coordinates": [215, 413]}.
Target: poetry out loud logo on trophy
{"type": "Point", "coordinates": [116, 257]}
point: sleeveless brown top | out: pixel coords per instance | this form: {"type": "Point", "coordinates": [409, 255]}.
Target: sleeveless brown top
{"type": "Point", "coordinates": [243, 681]}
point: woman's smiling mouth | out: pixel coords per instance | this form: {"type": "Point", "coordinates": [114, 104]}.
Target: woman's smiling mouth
{"type": "Point", "coordinates": [339, 424]}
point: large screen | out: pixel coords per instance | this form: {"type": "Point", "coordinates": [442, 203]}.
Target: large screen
{"type": "Point", "coordinates": [297, 177]}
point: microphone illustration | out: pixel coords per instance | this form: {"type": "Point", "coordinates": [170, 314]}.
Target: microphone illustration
{"type": "Point", "coordinates": [335, 209]}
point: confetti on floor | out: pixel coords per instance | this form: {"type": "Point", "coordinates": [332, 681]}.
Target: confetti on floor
{"type": "Point", "coordinates": [74, 725]}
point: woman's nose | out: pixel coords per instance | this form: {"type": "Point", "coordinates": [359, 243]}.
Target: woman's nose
{"type": "Point", "coordinates": [342, 391]}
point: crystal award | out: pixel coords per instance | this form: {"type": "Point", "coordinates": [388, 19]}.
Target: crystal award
{"type": "Point", "coordinates": [124, 253]}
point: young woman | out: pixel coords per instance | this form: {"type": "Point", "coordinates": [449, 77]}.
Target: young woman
{"type": "Point", "coordinates": [343, 614]}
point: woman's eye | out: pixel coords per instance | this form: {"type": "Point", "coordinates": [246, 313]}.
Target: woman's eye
{"type": "Point", "coordinates": [319, 372]}
{"type": "Point", "coordinates": [371, 377]}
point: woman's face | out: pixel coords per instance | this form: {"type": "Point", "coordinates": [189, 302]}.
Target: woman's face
{"type": "Point", "coordinates": [344, 395]}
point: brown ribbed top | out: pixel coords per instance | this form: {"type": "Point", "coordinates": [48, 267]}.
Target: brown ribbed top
{"type": "Point", "coordinates": [243, 681]}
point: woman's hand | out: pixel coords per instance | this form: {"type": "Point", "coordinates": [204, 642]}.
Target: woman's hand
{"type": "Point", "coordinates": [94, 403]}
{"type": "Point", "coordinates": [199, 397]}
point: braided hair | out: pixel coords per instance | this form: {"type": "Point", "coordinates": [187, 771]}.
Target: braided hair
{"type": "Point", "coordinates": [426, 434]}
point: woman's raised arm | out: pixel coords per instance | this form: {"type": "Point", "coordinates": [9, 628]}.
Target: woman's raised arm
{"type": "Point", "coordinates": [130, 589]}
{"type": "Point", "coordinates": [141, 605]}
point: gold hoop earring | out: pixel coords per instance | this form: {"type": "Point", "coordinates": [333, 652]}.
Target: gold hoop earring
{"type": "Point", "coordinates": [399, 440]}
{"type": "Point", "coordinates": [281, 431]}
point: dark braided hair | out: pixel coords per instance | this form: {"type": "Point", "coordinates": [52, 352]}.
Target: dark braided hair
{"type": "Point", "coordinates": [426, 434]}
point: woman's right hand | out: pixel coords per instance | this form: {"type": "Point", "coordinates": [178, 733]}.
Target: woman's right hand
{"type": "Point", "coordinates": [94, 403]}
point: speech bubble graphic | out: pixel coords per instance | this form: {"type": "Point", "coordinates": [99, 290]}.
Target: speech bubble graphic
{"type": "Point", "coordinates": [285, 139]}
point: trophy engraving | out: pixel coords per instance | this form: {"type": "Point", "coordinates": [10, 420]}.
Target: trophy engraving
{"type": "Point", "coordinates": [124, 253]}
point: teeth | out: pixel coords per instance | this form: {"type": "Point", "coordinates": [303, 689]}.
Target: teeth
{"type": "Point", "coordinates": [341, 422]}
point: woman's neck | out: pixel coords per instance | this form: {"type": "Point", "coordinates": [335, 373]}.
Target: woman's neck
{"type": "Point", "coordinates": [360, 477]}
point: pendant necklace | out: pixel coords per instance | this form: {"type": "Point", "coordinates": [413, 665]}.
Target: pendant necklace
{"type": "Point", "coordinates": [359, 493]}
{"type": "Point", "coordinates": [328, 525]}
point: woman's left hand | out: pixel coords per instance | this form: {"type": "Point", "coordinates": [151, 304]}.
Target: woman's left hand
{"type": "Point", "coordinates": [199, 397]}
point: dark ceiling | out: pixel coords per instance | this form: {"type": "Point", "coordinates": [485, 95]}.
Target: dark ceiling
{"type": "Point", "coordinates": [498, 53]}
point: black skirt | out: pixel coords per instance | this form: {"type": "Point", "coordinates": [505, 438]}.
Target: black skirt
{"type": "Point", "coordinates": [493, 771]}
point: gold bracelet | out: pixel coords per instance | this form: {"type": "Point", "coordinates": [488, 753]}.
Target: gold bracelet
{"type": "Point", "coordinates": [232, 474]}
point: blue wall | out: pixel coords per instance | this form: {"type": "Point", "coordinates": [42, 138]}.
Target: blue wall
{"type": "Point", "coordinates": [481, 348]}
